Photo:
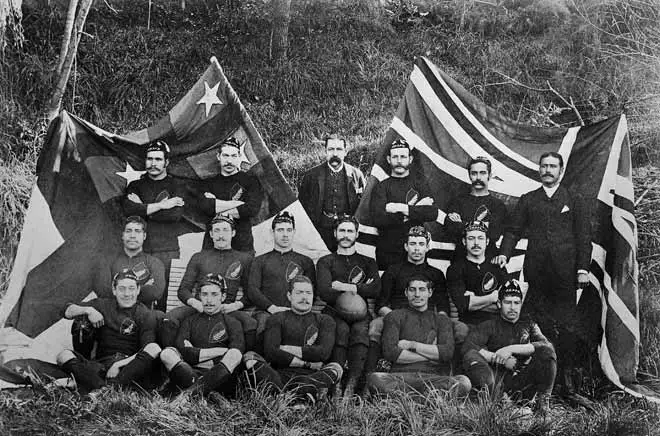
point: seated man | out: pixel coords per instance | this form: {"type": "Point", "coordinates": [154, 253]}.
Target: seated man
{"type": "Point", "coordinates": [472, 280]}
{"type": "Point", "coordinates": [149, 270]}
{"type": "Point", "coordinates": [272, 272]}
{"type": "Point", "coordinates": [347, 271]}
{"type": "Point", "coordinates": [511, 351]}
{"type": "Point", "coordinates": [298, 344]}
{"type": "Point", "coordinates": [222, 261]}
{"type": "Point", "coordinates": [209, 345]}
{"type": "Point", "coordinates": [126, 338]}
{"type": "Point", "coordinates": [420, 344]}
{"type": "Point", "coordinates": [394, 283]}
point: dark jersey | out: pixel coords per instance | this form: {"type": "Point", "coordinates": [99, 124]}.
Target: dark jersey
{"type": "Point", "coordinates": [271, 273]}
{"type": "Point", "coordinates": [149, 270]}
{"type": "Point", "coordinates": [426, 327]}
{"type": "Point", "coordinates": [232, 265]}
{"type": "Point", "coordinates": [496, 333]}
{"type": "Point", "coordinates": [393, 227]}
{"type": "Point", "coordinates": [395, 280]}
{"type": "Point", "coordinates": [208, 331]}
{"type": "Point", "coordinates": [314, 332]}
{"type": "Point", "coordinates": [481, 279]}
{"type": "Point", "coordinates": [355, 269]}
{"type": "Point", "coordinates": [124, 331]}
{"type": "Point", "coordinates": [238, 187]}
{"type": "Point", "coordinates": [164, 226]}
{"type": "Point", "coordinates": [488, 209]}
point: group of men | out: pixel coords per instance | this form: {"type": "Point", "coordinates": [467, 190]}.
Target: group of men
{"type": "Point", "coordinates": [254, 315]}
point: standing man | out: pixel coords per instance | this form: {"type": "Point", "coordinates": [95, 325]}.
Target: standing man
{"type": "Point", "coordinates": [420, 344]}
{"type": "Point", "coordinates": [399, 203]}
{"type": "Point", "coordinates": [331, 189]}
{"type": "Point", "coordinates": [473, 281]}
{"type": "Point", "coordinates": [298, 345]}
{"type": "Point", "coordinates": [226, 263]}
{"type": "Point", "coordinates": [233, 192]}
{"type": "Point", "coordinates": [126, 334]}
{"type": "Point", "coordinates": [159, 198]}
{"type": "Point", "coordinates": [149, 270]}
{"type": "Point", "coordinates": [512, 350]}
{"type": "Point", "coordinates": [209, 344]}
{"type": "Point", "coordinates": [557, 224]}
{"type": "Point", "coordinates": [477, 205]}
{"type": "Point", "coordinates": [346, 271]}
{"type": "Point", "coordinates": [272, 272]}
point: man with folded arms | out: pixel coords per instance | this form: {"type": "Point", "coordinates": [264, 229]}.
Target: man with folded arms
{"type": "Point", "coordinates": [298, 345]}
{"type": "Point", "coordinates": [420, 344]}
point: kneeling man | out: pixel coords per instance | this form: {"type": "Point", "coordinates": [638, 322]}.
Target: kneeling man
{"type": "Point", "coordinates": [420, 344]}
{"type": "Point", "coordinates": [297, 346]}
{"type": "Point", "coordinates": [126, 337]}
{"type": "Point", "coordinates": [209, 345]}
{"type": "Point", "coordinates": [511, 350]}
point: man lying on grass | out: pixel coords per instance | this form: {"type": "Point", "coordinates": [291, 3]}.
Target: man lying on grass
{"type": "Point", "coordinates": [420, 344]}
{"type": "Point", "coordinates": [125, 333]}
{"type": "Point", "coordinates": [209, 345]}
{"type": "Point", "coordinates": [297, 347]}
{"type": "Point", "coordinates": [511, 351]}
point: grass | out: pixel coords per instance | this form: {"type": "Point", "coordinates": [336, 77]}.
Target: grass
{"type": "Point", "coordinates": [346, 75]}
{"type": "Point", "coordinates": [120, 412]}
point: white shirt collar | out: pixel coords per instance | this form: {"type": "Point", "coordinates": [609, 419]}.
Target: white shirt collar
{"type": "Point", "coordinates": [334, 170]}
{"type": "Point", "coordinates": [550, 191]}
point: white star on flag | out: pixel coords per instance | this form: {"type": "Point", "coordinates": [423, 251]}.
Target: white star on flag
{"type": "Point", "coordinates": [130, 174]}
{"type": "Point", "coordinates": [210, 97]}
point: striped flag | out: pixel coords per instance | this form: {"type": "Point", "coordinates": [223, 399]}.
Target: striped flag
{"type": "Point", "coordinates": [74, 216]}
{"type": "Point", "coordinates": [446, 126]}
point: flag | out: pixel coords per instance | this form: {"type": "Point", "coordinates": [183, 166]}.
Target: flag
{"type": "Point", "coordinates": [447, 126]}
{"type": "Point", "coordinates": [74, 216]}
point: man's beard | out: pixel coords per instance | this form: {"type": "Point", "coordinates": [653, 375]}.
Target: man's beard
{"type": "Point", "coordinates": [334, 160]}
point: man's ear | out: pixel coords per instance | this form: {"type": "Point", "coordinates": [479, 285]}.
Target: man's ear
{"type": "Point", "coordinates": [464, 242]}
{"type": "Point", "coordinates": [389, 161]}
{"type": "Point", "coordinates": [499, 304]}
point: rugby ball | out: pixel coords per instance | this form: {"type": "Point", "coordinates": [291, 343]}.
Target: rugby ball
{"type": "Point", "coordinates": [351, 307]}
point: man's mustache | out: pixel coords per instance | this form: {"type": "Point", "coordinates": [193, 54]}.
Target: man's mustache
{"type": "Point", "coordinates": [478, 183]}
{"type": "Point", "coordinates": [334, 159]}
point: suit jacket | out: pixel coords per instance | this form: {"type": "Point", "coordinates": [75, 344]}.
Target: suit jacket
{"type": "Point", "coordinates": [558, 230]}
{"type": "Point", "coordinates": [312, 189]}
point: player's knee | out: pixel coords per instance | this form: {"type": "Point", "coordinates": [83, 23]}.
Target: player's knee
{"type": "Point", "coordinates": [64, 356]}
{"type": "Point", "coordinates": [461, 331]}
{"type": "Point", "coordinates": [545, 352]}
{"type": "Point", "coordinates": [152, 349]}
{"type": "Point", "coordinates": [170, 356]}
{"type": "Point", "coordinates": [462, 385]}
{"type": "Point", "coordinates": [232, 358]}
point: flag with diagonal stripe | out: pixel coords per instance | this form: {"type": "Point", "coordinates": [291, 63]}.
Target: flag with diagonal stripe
{"type": "Point", "coordinates": [446, 126]}
{"type": "Point", "coordinates": [74, 216]}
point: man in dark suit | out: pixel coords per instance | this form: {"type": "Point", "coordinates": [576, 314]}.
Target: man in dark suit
{"type": "Point", "coordinates": [331, 189]}
{"type": "Point", "coordinates": [557, 224]}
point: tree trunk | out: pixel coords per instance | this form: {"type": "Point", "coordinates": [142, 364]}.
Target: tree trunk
{"type": "Point", "coordinates": [68, 26]}
{"type": "Point", "coordinates": [53, 108]}
{"type": "Point", "coordinates": [280, 31]}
